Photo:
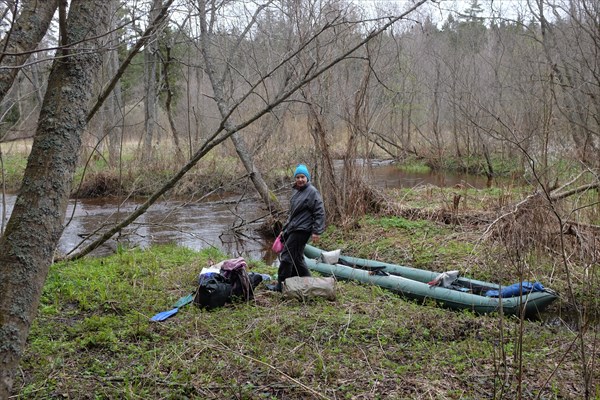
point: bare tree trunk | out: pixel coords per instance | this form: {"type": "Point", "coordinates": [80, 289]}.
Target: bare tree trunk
{"type": "Point", "coordinates": [23, 37]}
{"type": "Point", "coordinates": [407, 139]}
{"type": "Point", "coordinates": [150, 85]}
{"type": "Point", "coordinates": [168, 102]}
{"type": "Point", "coordinates": [455, 99]}
{"type": "Point", "coordinates": [352, 184]}
{"type": "Point", "coordinates": [115, 112]}
{"type": "Point", "coordinates": [328, 184]}
{"type": "Point", "coordinates": [435, 116]}
{"type": "Point", "coordinates": [267, 196]}
{"type": "Point", "coordinates": [42, 201]}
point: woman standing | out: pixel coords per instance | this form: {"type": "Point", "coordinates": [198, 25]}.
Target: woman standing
{"type": "Point", "coordinates": [306, 220]}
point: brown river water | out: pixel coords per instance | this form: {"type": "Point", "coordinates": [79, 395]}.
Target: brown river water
{"type": "Point", "coordinates": [225, 222]}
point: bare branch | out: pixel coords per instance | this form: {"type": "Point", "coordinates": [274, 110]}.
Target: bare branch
{"type": "Point", "coordinates": [160, 17]}
{"type": "Point", "coordinates": [224, 131]}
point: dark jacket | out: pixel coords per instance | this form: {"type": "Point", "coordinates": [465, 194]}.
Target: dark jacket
{"type": "Point", "coordinates": [307, 212]}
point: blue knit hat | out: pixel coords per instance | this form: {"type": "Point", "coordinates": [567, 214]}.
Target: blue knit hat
{"type": "Point", "coordinates": [301, 169]}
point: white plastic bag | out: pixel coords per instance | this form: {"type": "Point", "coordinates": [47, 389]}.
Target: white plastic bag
{"type": "Point", "coordinates": [445, 279]}
{"type": "Point", "coordinates": [330, 257]}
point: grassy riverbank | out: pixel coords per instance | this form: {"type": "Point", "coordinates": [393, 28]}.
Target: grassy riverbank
{"type": "Point", "coordinates": [93, 338]}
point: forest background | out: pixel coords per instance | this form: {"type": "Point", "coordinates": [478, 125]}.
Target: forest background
{"type": "Point", "coordinates": [183, 98]}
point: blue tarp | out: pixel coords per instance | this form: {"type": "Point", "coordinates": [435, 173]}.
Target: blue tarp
{"type": "Point", "coordinates": [516, 289]}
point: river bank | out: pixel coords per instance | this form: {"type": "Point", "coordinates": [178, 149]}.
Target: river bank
{"type": "Point", "coordinates": [93, 338]}
{"type": "Point", "coordinates": [225, 220]}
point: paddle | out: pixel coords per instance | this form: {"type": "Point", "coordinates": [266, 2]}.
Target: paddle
{"type": "Point", "coordinates": [161, 316]}
{"type": "Point", "coordinates": [184, 300]}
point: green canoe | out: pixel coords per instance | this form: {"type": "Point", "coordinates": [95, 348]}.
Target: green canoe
{"type": "Point", "coordinates": [464, 294]}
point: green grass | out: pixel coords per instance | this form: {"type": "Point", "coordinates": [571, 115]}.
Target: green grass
{"type": "Point", "coordinates": [502, 166]}
{"type": "Point", "coordinates": [420, 244]}
{"type": "Point", "coordinates": [93, 339]}
{"type": "Point", "coordinates": [416, 166]}
{"type": "Point", "coordinates": [14, 166]}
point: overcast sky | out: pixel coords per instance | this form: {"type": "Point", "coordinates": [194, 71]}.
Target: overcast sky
{"type": "Point", "coordinates": [440, 9]}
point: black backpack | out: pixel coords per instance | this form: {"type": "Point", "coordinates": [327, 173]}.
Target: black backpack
{"type": "Point", "coordinates": [213, 291]}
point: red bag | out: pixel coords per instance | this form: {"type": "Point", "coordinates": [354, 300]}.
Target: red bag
{"type": "Point", "coordinates": [277, 245]}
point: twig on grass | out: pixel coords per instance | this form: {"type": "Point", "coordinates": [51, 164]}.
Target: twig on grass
{"type": "Point", "coordinates": [274, 368]}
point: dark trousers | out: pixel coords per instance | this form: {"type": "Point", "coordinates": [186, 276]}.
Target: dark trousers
{"type": "Point", "coordinates": [291, 262]}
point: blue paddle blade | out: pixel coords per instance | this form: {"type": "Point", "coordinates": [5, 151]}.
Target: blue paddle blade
{"type": "Point", "coordinates": [164, 315]}
{"type": "Point", "coordinates": [184, 300]}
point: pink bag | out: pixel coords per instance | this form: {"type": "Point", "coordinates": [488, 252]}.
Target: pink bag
{"type": "Point", "coordinates": [277, 245]}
